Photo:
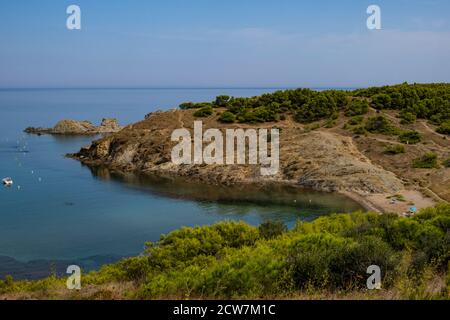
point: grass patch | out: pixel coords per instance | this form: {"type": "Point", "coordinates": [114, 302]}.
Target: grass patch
{"type": "Point", "coordinates": [427, 161]}
{"type": "Point", "coordinates": [394, 149]}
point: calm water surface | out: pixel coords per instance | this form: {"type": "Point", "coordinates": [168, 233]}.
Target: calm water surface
{"type": "Point", "coordinates": [59, 209]}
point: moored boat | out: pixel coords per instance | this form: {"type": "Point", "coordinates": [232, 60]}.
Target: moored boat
{"type": "Point", "coordinates": [7, 181]}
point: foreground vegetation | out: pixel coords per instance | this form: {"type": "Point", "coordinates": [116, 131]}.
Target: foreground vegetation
{"type": "Point", "coordinates": [413, 101]}
{"type": "Point", "coordinates": [326, 258]}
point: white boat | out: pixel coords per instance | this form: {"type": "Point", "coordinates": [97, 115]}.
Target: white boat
{"type": "Point", "coordinates": [7, 181]}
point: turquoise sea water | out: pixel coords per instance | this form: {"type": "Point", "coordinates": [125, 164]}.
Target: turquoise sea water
{"type": "Point", "coordinates": [61, 210]}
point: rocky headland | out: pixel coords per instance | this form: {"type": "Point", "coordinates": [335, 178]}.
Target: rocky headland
{"type": "Point", "coordinates": [324, 159]}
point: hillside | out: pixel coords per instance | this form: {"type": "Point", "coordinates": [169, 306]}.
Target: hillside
{"type": "Point", "coordinates": [346, 143]}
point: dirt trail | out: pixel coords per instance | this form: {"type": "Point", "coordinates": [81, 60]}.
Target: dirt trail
{"type": "Point", "coordinates": [427, 127]}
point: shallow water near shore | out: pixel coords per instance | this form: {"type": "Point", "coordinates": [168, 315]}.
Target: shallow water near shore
{"type": "Point", "coordinates": [60, 210]}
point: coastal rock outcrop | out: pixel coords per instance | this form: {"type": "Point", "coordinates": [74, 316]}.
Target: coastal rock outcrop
{"type": "Point", "coordinates": [319, 160]}
{"type": "Point", "coordinates": [74, 127]}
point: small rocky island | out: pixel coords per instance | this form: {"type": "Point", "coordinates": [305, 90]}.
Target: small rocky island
{"type": "Point", "coordinates": [74, 127]}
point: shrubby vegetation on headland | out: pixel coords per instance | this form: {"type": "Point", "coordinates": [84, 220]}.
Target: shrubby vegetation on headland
{"type": "Point", "coordinates": [326, 258]}
{"type": "Point", "coordinates": [413, 101]}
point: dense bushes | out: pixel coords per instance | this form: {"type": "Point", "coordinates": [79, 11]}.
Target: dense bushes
{"type": "Point", "coordinates": [235, 260]}
{"type": "Point", "coordinates": [410, 137]}
{"type": "Point", "coordinates": [427, 161]}
{"type": "Point", "coordinates": [394, 149]}
{"type": "Point", "coordinates": [227, 117]}
{"type": "Point", "coordinates": [320, 107]}
{"type": "Point", "coordinates": [270, 229]}
{"type": "Point", "coordinates": [444, 128]}
{"type": "Point", "coordinates": [191, 105]}
{"type": "Point", "coordinates": [424, 101]}
{"type": "Point", "coordinates": [357, 107]}
{"type": "Point", "coordinates": [204, 112]}
{"type": "Point", "coordinates": [356, 120]}
{"type": "Point", "coordinates": [330, 261]}
{"type": "Point", "coordinates": [381, 101]}
{"type": "Point", "coordinates": [407, 117]}
{"type": "Point", "coordinates": [380, 124]}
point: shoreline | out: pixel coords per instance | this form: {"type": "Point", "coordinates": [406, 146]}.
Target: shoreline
{"type": "Point", "coordinates": [375, 202]}
{"type": "Point", "coordinates": [324, 160]}
{"type": "Point", "coordinates": [383, 203]}
{"type": "Point", "coordinates": [368, 205]}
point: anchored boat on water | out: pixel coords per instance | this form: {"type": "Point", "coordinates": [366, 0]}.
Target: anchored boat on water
{"type": "Point", "coordinates": [7, 181]}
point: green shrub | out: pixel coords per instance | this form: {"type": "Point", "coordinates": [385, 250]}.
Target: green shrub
{"type": "Point", "coordinates": [346, 269]}
{"type": "Point", "coordinates": [7, 285]}
{"type": "Point", "coordinates": [357, 107]}
{"type": "Point", "coordinates": [444, 128]}
{"type": "Point", "coordinates": [446, 163]}
{"type": "Point", "coordinates": [310, 257]}
{"type": "Point", "coordinates": [186, 105]}
{"type": "Point", "coordinates": [191, 105]}
{"type": "Point", "coordinates": [183, 245]}
{"type": "Point", "coordinates": [321, 260]}
{"type": "Point", "coordinates": [204, 112]}
{"type": "Point", "coordinates": [359, 130]}
{"type": "Point", "coordinates": [427, 101]}
{"type": "Point", "coordinates": [394, 149]}
{"type": "Point", "coordinates": [260, 114]}
{"type": "Point", "coordinates": [381, 101]}
{"type": "Point", "coordinates": [410, 137]}
{"type": "Point", "coordinates": [227, 117]}
{"type": "Point", "coordinates": [379, 124]}
{"type": "Point", "coordinates": [135, 269]}
{"type": "Point", "coordinates": [271, 229]}
{"type": "Point", "coordinates": [249, 272]}
{"type": "Point", "coordinates": [407, 117]}
{"type": "Point", "coordinates": [320, 107]}
{"type": "Point", "coordinates": [222, 101]}
{"type": "Point", "coordinates": [427, 161]}
{"type": "Point", "coordinates": [356, 120]}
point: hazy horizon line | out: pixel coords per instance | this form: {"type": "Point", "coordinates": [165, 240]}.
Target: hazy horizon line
{"type": "Point", "coordinates": [179, 88]}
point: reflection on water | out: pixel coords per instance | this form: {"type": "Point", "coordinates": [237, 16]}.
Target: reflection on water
{"type": "Point", "coordinates": [272, 202]}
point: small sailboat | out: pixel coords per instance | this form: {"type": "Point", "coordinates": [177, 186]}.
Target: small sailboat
{"type": "Point", "coordinates": [7, 181]}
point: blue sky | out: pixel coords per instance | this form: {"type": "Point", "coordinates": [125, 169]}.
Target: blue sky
{"type": "Point", "coordinates": [227, 43]}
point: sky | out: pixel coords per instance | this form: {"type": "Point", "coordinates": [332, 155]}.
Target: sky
{"type": "Point", "coordinates": [227, 43]}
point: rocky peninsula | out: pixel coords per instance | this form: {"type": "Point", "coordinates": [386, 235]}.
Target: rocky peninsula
{"type": "Point", "coordinates": [323, 159]}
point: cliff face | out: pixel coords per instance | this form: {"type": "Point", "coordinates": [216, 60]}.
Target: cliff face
{"type": "Point", "coordinates": [321, 160]}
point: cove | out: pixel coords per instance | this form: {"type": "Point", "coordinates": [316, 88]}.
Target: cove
{"type": "Point", "coordinates": [65, 212]}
